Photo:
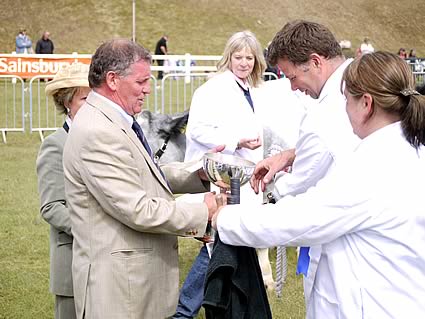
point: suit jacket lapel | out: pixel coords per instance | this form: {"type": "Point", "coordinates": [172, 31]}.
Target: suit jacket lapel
{"type": "Point", "coordinates": [117, 119]}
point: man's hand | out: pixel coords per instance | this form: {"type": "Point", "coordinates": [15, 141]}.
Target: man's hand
{"type": "Point", "coordinates": [266, 169]}
{"type": "Point", "coordinates": [214, 202]}
{"type": "Point", "coordinates": [214, 218]}
{"type": "Point", "coordinates": [210, 201]}
{"type": "Point", "coordinates": [250, 143]}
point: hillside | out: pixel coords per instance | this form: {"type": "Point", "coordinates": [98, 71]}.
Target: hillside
{"type": "Point", "coordinates": [203, 26]}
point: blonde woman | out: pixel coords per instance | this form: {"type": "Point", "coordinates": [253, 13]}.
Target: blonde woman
{"type": "Point", "coordinates": [223, 112]}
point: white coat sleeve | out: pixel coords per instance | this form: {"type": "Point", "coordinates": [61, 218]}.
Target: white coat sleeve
{"type": "Point", "coordinates": [311, 165]}
{"type": "Point", "coordinates": [318, 216]}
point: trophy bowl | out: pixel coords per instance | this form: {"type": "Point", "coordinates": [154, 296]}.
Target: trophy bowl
{"type": "Point", "coordinates": [220, 168]}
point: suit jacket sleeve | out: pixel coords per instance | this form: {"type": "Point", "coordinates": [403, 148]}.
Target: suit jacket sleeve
{"type": "Point", "coordinates": [184, 180]}
{"type": "Point", "coordinates": [129, 192]}
{"type": "Point", "coordinates": [51, 185]}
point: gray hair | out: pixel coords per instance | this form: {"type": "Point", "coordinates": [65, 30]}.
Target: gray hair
{"type": "Point", "coordinates": [238, 42]}
{"type": "Point", "coordinates": [116, 55]}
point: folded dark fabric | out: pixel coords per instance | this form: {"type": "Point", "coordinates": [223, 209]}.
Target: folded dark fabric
{"type": "Point", "coordinates": [234, 286]}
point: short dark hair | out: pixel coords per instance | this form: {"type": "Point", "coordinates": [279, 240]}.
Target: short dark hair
{"type": "Point", "coordinates": [298, 39]}
{"type": "Point", "coordinates": [115, 55]}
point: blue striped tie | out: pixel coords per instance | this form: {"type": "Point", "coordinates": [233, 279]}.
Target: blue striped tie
{"type": "Point", "coordinates": [139, 132]}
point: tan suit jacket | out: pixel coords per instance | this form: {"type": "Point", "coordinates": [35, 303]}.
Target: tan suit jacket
{"type": "Point", "coordinates": [53, 209]}
{"type": "Point", "coordinates": [124, 218]}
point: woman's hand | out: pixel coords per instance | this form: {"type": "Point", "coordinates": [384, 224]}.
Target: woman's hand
{"type": "Point", "coordinates": [250, 143]}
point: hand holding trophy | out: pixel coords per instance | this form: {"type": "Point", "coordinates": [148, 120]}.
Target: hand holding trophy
{"type": "Point", "coordinates": [228, 172]}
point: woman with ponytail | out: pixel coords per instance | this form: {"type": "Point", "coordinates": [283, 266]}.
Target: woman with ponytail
{"type": "Point", "coordinates": [384, 85]}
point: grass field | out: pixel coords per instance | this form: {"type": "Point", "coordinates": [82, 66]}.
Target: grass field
{"type": "Point", "coordinates": [24, 236]}
{"type": "Point", "coordinates": [203, 26]}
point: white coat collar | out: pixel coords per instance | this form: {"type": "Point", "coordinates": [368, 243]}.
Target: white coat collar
{"type": "Point", "coordinates": [373, 139]}
{"type": "Point", "coordinates": [334, 80]}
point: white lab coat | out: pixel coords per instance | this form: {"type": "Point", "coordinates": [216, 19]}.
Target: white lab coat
{"type": "Point", "coordinates": [368, 216]}
{"type": "Point", "coordinates": [281, 113]}
{"type": "Point", "coordinates": [220, 114]}
{"type": "Point", "coordinates": [325, 137]}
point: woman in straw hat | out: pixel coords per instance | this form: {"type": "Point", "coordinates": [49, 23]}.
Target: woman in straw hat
{"type": "Point", "coordinates": [69, 89]}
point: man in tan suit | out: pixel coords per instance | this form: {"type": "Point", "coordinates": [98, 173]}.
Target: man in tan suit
{"type": "Point", "coordinates": [125, 221]}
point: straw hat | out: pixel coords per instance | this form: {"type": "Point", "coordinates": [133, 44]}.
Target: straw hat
{"type": "Point", "coordinates": [73, 75]}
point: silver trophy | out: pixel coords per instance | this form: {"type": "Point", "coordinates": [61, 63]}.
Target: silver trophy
{"type": "Point", "coordinates": [222, 168]}
{"type": "Point", "coordinates": [229, 173]}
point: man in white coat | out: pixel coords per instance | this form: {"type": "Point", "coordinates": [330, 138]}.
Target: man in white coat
{"type": "Point", "coordinates": [311, 58]}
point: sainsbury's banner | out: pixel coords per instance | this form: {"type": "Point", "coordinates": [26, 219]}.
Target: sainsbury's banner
{"type": "Point", "coordinates": [30, 65]}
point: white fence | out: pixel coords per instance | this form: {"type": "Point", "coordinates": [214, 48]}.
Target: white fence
{"type": "Point", "coordinates": [24, 106]}
{"type": "Point", "coordinates": [417, 66]}
{"type": "Point", "coordinates": [12, 105]}
{"type": "Point", "coordinates": [43, 115]}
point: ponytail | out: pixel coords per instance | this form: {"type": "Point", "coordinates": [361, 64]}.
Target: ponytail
{"type": "Point", "coordinates": [413, 120]}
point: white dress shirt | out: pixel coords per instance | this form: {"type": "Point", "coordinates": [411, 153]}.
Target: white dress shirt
{"type": "Point", "coordinates": [368, 216]}
{"type": "Point", "coordinates": [118, 108]}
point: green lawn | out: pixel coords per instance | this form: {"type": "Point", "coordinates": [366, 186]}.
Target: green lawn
{"type": "Point", "coordinates": [24, 236]}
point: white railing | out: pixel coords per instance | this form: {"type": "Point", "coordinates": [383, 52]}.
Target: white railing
{"type": "Point", "coordinates": [183, 74]}
{"type": "Point", "coordinates": [12, 105]}
{"type": "Point", "coordinates": [43, 114]}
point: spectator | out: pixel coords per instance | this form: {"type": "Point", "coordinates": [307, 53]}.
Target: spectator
{"type": "Point", "coordinates": [412, 56]}
{"type": "Point", "coordinates": [270, 68]}
{"type": "Point", "coordinates": [44, 45]}
{"type": "Point", "coordinates": [161, 49]}
{"type": "Point", "coordinates": [366, 47]}
{"type": "Point", "coordinates": [402, 53]}
{"type": "Point", "coordinates": [23, 42]}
